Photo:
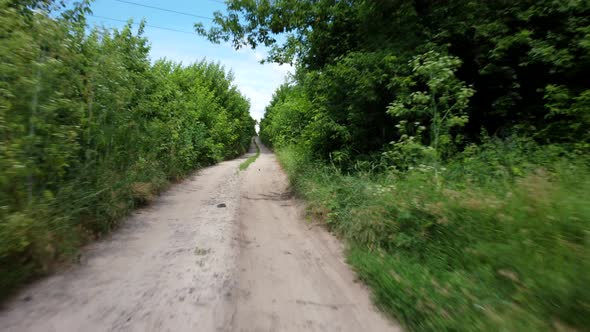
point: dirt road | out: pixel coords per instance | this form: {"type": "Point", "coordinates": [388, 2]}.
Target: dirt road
{"type": "Point", "coordinates": [187, 263]}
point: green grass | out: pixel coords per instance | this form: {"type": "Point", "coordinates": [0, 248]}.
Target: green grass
{"type": "Point", "coordinates": [247, 162]}
{"type": "Point", "coordinates": [501, 243]}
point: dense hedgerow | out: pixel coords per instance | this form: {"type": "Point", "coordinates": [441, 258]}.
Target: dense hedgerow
{"type": "Point", "coordinates": [90, 129]}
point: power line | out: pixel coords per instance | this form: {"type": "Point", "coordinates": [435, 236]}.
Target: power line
{"type": "Point", "coordinates": [164, 9]}
{"type": "Point", "coordinates": [147, 25]}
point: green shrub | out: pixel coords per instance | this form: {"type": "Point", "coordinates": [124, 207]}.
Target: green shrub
{"type": "Point", "coordinates": [90, 129]}
{"type": "Point", "coordinates": [501, 242]}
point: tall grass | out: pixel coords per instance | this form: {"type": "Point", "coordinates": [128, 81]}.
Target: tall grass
{"type": "Point", "coordinates": [501, 242]}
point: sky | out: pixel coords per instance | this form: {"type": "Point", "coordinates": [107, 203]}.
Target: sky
{"type": "Point", "coordinates": [254, 80]}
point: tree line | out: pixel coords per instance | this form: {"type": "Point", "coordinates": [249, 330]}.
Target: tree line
{"type": "Point", "coordinates": [91, 128]}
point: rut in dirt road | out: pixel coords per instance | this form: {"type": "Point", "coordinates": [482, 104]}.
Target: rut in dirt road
{"type": "Point", "coordinates": [185, 264]}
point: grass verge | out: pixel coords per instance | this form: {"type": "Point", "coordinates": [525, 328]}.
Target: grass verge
{"type": "Point", "coordinates": [245, 164]}
{"type": "Point", "coordinates": [500, 243]}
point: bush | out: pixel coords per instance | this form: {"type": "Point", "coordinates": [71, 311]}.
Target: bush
{"type": "Point", "coordinates": [89, 130]}
{"type": "Point", "coordinates": [499, 243]}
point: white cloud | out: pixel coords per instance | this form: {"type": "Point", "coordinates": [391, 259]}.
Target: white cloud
{"type": "Point", "coordinates": [258, 100]}
{"type": "Point", "coordinates": [257, 81]}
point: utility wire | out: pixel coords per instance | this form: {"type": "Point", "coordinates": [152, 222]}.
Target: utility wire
{"type": "Point", "coordinates": [164, 9]}
{"type": "Point", "coordinates": [147, 25]}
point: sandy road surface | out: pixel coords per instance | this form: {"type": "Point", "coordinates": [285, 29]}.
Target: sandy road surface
{"type": "Point", "coordinates": [293, 276]}
{"type": "Point", "coordinates": [184, 264]}
{"type": "Point", "coordinates": [171, 267]}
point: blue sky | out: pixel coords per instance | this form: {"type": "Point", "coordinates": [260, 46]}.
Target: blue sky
{"type": "Point", "coordinates": [256, 81]}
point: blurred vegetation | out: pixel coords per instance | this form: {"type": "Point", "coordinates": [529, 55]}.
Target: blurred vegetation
{"type": "Point", "coordinates": [90, 129]}
{"type": "Point", "coordinates": [447, 141]}
{"type": "Point", "coordinates": [499, 242]}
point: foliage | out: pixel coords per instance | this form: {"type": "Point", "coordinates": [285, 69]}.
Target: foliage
{"type": "Point", "coordinates": [444, 103]}
{"type": "Point", "coordinates": [89, 129]}
{"type": "Point", "coordinates": [527, 63]}
{"type": "Point", "coordinates": [447, 141]}
{"type": "Point", "coordinates": [500, 243]}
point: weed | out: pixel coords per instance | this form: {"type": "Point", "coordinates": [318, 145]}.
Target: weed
{"type": "Point", "coordinates": [487, 250]}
